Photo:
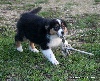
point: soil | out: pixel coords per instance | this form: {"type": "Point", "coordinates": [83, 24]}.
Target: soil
{"type": "Point", "coordinates": [10, 16]}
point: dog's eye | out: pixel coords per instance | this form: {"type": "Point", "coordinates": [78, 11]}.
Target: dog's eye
{"type": "Point", "coordinates": [56, 28]}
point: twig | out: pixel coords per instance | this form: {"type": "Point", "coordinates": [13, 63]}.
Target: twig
{"type": "Point", "coordinates": [71, 48]}
{"type": "Point", "coordinates": [78, 51]}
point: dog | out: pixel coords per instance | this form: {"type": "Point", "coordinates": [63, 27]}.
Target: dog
{"type": "Point", "coordinates": [44, 32]}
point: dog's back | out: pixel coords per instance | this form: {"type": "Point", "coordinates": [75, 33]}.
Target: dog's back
{"type": "Point", "coordinates": [31, 26]}
{"type": "Point", "coordinates": [30, 16]}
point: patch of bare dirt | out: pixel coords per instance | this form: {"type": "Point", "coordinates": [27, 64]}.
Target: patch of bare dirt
{"type": "Point", "coordinates": [72, 7]}
{"type": "Point", "coordinates": [76, 6]}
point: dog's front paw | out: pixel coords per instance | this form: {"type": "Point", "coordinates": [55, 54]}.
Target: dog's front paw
{"type": "Point", "coordinates": [50, 56]}
{"type": "Point", "coordinates": [34, 50]}
{"type": "Point", "coordinates": [55, 62]}
{"type": "Point", "coordinates": [20, 49]}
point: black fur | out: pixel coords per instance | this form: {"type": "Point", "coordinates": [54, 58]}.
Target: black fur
{"type": "Point", "coordinates": [35, 11]}
{"type": "Point", "coordinates": [33, 28]}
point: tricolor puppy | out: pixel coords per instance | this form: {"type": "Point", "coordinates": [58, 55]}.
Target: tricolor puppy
{"type": "Point", "coordinates": [44, 32]}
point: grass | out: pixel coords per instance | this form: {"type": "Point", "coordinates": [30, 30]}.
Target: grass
{"type": "Point", "coordinates": [89, 26]}
{"type": "Point", "coordinates": [5, 2]}
{"type": "Point", "coordinates": [41, 1]}
{"type": "Point", "coordinates": [10, 2]}
{"type": "Point", "coordinates": [25, 7]}
{"type": "Point", "coordinates": [29, 66]}
{"type": "Point", "coordinates": [87, 20]}
{"type": "Point", "coordinates": [50, 14]}
{"type": "Point", "coordinates": [97, 0]}
{"type": "Point", "coordinates": [68, 6]}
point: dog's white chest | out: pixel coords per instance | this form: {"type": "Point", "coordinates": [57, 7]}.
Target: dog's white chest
{"type": "Point", "coordinates": [54, 41]}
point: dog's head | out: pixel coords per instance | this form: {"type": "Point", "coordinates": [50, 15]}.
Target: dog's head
{"type": "Point", "coordinates": [57, 26]}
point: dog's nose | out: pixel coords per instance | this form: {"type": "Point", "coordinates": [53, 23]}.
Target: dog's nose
{"type": "Point", "coordinates": [62, 33]}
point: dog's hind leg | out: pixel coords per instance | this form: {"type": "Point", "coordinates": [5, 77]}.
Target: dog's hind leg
{"type": "Point", "coordinates": [32, 47]}
{"type": "Point", "coordinates": [19, 46]}
{"type": "Point", "coordinates": [18, 39]}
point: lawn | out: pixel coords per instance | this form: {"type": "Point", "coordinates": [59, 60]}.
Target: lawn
{"type": "Point", "coordinates": [29, 66]}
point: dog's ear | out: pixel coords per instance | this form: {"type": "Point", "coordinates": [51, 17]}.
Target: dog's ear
{"type": "Point", "coordinates": [65, 27]}
{"type": "Point", "coordinates": [64, 23]}
{"type": "Point", "coordinates": [47, 24]}
{"type": "Point", "coordinates": [53, 22]}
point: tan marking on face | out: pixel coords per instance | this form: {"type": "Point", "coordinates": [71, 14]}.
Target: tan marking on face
{"type": "Point", "coordinates": [52, 31]}
{"type": "Point", "coordinates": [64, 28]}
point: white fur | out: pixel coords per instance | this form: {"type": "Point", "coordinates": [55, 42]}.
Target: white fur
{"type": "Point", "coordinates": [64, 45]}
{"type": "Point", "coordinates": [33, 50]}
{"type": "Point", "coordinates": [50, 56]}
{"type": "Point", "coordinates": [59, 21]}
{"type": "Point", "coordinates": [59, 32]}
{"type": "Point", "coordinates": [20, 49]}
{"type": "Point", "coordinates": [66, 42]}
{"type": "Point", "coordinates": [54, 41]}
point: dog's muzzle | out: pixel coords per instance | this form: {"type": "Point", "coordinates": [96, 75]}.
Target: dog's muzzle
{"type": "Point", "coordinates": [60, 32]}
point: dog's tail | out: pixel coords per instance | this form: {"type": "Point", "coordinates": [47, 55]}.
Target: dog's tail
{"type": "Point", "coordinates": [35, 11]}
